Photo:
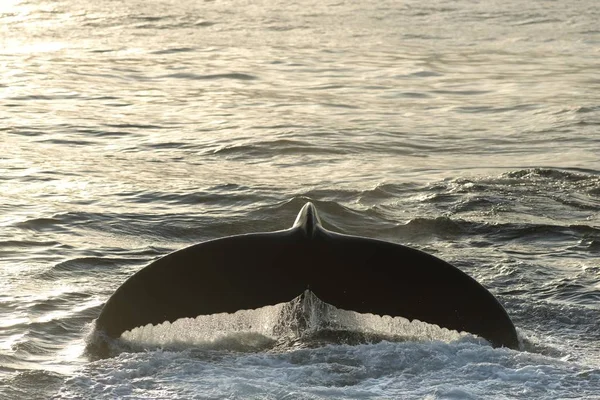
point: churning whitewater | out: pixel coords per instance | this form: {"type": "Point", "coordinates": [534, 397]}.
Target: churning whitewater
{"type": "Point", "coordinates": [303, 320]}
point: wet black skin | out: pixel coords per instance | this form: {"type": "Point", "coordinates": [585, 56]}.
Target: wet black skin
{"type": "Point", "coordinates": [352, 273]}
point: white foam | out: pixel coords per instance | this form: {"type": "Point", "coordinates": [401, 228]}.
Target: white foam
{"type": "Point", "coordinates": [410, 370]}
{"type": "Point", "coordinates": [301, 317]}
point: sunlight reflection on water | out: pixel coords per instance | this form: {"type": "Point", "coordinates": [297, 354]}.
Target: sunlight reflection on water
{"type": "Point", "coordinates": [132, 128]}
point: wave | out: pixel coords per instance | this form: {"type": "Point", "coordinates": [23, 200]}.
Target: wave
{"type": "Point", "coordinates": [511, 207]}
{"type": "Point", "coordinates": [91, 266]}
{"type": "Point", "coordinates": [575, 324]}
{"type": "Point", "coordinates": [233, 75]}
{"type": "Point", "coordinates": [452, 227]}
{"type": "Point", "coordinates": [554, 174]}
{"type": "Point", "coordinates": [274, 148]}
{"type": "Point", "coordinates": [174, 50]}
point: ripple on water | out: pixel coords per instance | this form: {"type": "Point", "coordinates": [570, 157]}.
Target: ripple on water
{"type": "Point", "coordinates": [362, 108]}
{"type": "Point", "coordinates": [233, 75]}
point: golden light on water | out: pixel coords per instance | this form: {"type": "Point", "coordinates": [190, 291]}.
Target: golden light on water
{"type": "Point", "coordinates": [13, 11]}
{"type": "Point", "coordinates": [21, 28]}
{"type": "Point", "coordinates": [8, 5]}
{"type": "Point", "coordinates": [129, 128]}
{"type": "Point", "coordinates": [43, 47]}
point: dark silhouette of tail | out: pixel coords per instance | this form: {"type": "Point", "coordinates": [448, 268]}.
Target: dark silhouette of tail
{"type": "Point", "coordinates": [349, 272]}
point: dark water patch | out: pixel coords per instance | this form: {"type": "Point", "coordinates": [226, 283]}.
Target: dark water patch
{"type": "Point", "coordinates": [143, 253]}
{"type": "Point", "coordinates": [119, 104]}
{"type": "Point", "coordinates": [385, 191]}
{"type": "Point", "coordinates": [54, 224]}
{"type": "Point", "coordinates": [589, 245]}
{"type": "Point", "coordinates": [96, 75]}
{"type": "Point", "coordinates": [284, 28]}
{"type": "Point", "coordinates": [578, 110]}
{"type": "Point", "coordinates": [289, 129]}
{"type": "Point", "coordinates": [101, 23]}
{"type": "Point", "coordinates": [156, 227]}
{"type": "Point", "coordinates": [326, 86]}
{"type": "Point", "coordinates": [99, 51]}
{"type": "Point", "coordinates": [274, 148]}
{"type": "Point", "coordinates": [440, 227]}
{"type": "Point", "coordinates": [586, 32]}
{"type": "Point", "coordinates": [68, 142]}
{"type": "Point", "coordinates": [33, 347]}
{"type": "Point", "coordinates": [204, 23]}
{"type": "Point", "coordinates": [580, 287]}
{"type": "Point", "coordinates": [56, 302]}
{"type": "Point", "coordinates": [543, 232]}
{"type": "Point", "coordinates": [66, 96]}
{"type": "Point", "coordinates": [193, 198]}
{"type": "Point", "coordinates": [494, 110]}
{"type": "Point", "coordinates": [426, 37]}
{"type": "Point", "coordinates": [174, 50]}
{"type": "Point", "coordinates": [42, 339]}
{"type": "Point", "coordinates": [585, 110]}
{"type": "Point", "coordinates": [462, 92]}
{"type": "Point", "coordinates": [101, 98]}
{"type": "Point", "coordinates": [537, 21]}
{"type": "Point", "coordinates": [453, 228]}
{"type": "Point", "coordinates": [170, 145]}
{"type": "Point", "coordinates": [414, 95]}
{"type": "Point", "coordinates": [28, 243]}
{"type": "Point", "coordinates": [190, 76]}
{"type": "Point", "coordinates": [27, 131]}
{"type": "Point", "coordinates": [86, 266]}
{"type": "Point", "coordinates": [95, 275]}
{"type": "Point", "coordinates": [169, 25]}
{"type": "Point", "coordinates": [37, 176]}
{"type": "Point", "coordinates": [423, 74]}
{"type": "Point", "coordinates": [339, 105]}
{"type": "Point", "coordinates": [174, 230]}
{"type": "Point", "coordinates": [339, 196]}
{"type": "Point", "coordinates": [587, 123]}
{"type": "Point", "coordinates": [68, 222]}
{"type": "Point", "coordinates": [8, 365]}
{"type": "Point", "coordinates": [150, 18]}
{"type": "Point", "coordinates": [49, 333]}
{"type": "Point", "coordinates": [135, 126]}
{"type": "Point", "coordinates": [224, 196]}
{"type": "Point", "coordinates": [110, 134]}
{"type": "Point", "coordinates": [571, 292]}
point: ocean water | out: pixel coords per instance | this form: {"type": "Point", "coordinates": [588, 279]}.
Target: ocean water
{"type": "Point", "coordinates": [467, 129]}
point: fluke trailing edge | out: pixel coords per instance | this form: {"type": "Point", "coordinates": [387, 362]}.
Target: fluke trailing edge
{"type": "Point", "coordinates": [349, 272]}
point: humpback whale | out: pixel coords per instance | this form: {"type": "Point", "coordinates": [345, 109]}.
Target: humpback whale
{"type": "Point", "coordinates": [354, 273]}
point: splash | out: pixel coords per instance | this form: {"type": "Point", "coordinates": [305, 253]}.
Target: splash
{"type": "Point", "coordinates": [304, 321]}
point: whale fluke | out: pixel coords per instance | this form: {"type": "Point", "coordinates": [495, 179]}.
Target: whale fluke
{"type": "Point", "coordinates": [353, 273]}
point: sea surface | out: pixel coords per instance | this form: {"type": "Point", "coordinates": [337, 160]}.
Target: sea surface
{"type": "Point", "coordinates": [468, 129]}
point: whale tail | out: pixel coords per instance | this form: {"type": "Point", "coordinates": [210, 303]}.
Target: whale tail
{"type": "Point", "coordinates": [354, 273]}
